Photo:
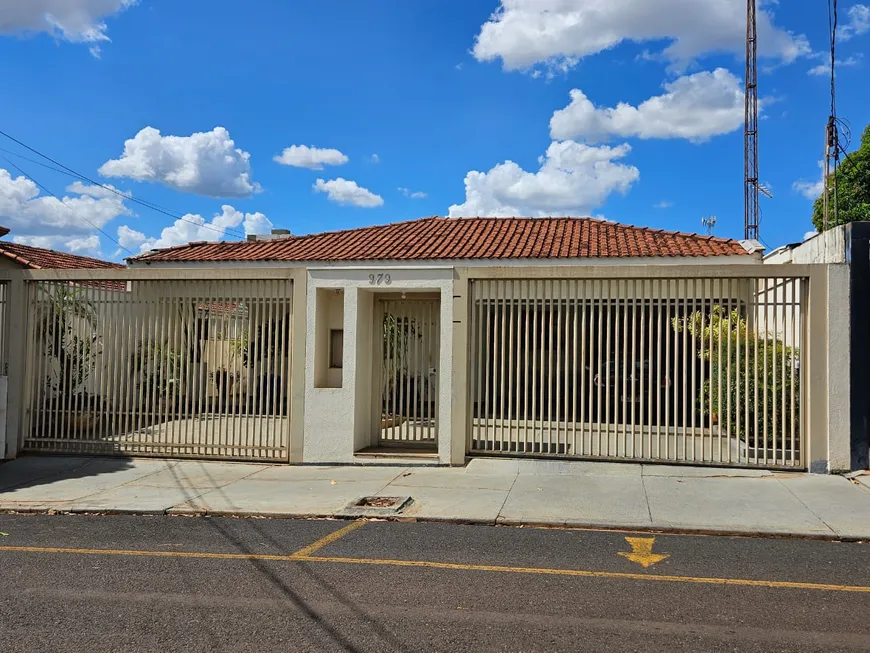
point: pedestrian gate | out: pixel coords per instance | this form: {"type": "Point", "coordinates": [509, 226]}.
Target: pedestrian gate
{"type": "Point", "coordinates": [409, 353]}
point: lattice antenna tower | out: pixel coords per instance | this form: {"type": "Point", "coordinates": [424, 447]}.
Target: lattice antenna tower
{"type": "Point", "coordinates": [750, 163]}
{"type": "Point", "coordinates": [709, 224]}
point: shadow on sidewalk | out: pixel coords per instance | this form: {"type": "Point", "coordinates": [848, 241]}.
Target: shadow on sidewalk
{"type": "Point", "coordinates": [34, 470]}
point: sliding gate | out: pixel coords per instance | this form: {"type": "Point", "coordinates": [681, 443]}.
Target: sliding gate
{"type": "Point", "coordinates": [681, 370]}
{"type": "Point", "coordinates": [159, 367]}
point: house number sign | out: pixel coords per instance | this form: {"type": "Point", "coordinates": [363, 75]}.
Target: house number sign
{"type": "Point", "coordinates": [380, 279]}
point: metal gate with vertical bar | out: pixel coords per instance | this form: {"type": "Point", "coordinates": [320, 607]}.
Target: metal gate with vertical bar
{"type": "Point", "coordinates": [4, 364]}
{"type": "Point", "coordinates": [4, 329]}
{"type": "Point", "coordinates": [687, 370]}
{"type": "Point", "coordinates": [160, 367]}
{"type": "Point", "coordinates": [409, 372]}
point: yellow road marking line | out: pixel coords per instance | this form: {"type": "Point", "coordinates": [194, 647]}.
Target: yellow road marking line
{"type": "Point", "coordinates": [149, 554]}
{"type": "Point", "coordinates": [571, 573]}
{"type": "Point", "coordinates": [329, 539]}
{"type": "Point", "coordinates": [582, 573]}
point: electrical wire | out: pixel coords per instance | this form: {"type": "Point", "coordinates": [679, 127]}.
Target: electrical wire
{"type": "Point", "coordinates": [35, 162]}
{"type": "Point", "coordinates": [833, 20]}
{"type": "Point", "coordinates": [845, 135]}
{"type": "Point", "coordinates": [845, 130]}
{"type": "Point", "coordinates": [760, 219]}
{"type": "Point", "coordinates": [848, 157]}
{"type": "Point", "coordinates": [150, 205]}
{"type": "Point", "coordinates": [76, 213]}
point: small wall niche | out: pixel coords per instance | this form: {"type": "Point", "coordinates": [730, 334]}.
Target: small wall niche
{"type": "Point", "coordinates": [336, 349]}
{"type": "Point", "coordinates": [329, 338]}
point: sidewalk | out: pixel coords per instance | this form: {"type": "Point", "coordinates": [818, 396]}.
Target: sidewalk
{"type": "Point", "coordinates": [511, 492]}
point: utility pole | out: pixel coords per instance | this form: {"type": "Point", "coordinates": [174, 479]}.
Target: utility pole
{"type": "Point", "coordinates": [832, 133]}
{"type": "Point", "coordinates": [826, 178]}
{"type": "Point", "coordinates": [750, 163]}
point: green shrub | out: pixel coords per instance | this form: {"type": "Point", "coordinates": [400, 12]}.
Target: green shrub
{"type": "Point", "coordinates": [739, 389]}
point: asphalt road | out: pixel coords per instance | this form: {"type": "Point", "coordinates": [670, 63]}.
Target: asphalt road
{"type": "Point", "coordinates": [125, 583]}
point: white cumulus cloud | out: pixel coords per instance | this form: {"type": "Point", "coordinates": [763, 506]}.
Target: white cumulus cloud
{"type": "Point", "coordinates": [344, 191]}
{"type": "Point", "coordinates": [857, 22]}
{"type": "Point", "coordinates": [809, 189]}
{"type": "Point", "coordinates": [206, 163]}
{"type": "Point", "coordinates": [75, 21]}
{"type": "Point", "coordinates": [193, 227]}
{"type": "Point", "coordinates": [257, 223]}
{"type": "Point", "coordinates": [132, 240]}
{"type": "Point", "coordinates": [558, 33]}
{"type": "Point", "coordinates": [695, 107]}
{"type": "Point", "coordinates": [82, 245]}
{"type": "Point", "coordinates": [313, 158]}
{"type": "Point", "coordinates": [73, 215]}
{"type": "Point", "coordinates": [573, 179]}
{"type": "Point", "coordinates": [412, 194]}
{"type": "Point", "coordinates": [824, 69]}
{"type": "Point", "coordinates": [106, 191]}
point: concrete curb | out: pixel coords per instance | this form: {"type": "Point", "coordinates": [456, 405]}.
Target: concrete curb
{"type": "Point", "coordinates": [667, 529]}
{"type": "Point", "coordinates": [661, 529]}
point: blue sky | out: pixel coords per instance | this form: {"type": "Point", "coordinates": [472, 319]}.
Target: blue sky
{"type": "Point", "coordinates": [627, 109]}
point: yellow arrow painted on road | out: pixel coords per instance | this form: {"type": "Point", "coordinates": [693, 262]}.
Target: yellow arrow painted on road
{"type": "Point", "coordinates": [641, 551]}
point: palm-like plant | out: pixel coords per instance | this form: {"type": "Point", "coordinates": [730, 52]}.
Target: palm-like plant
{"type": "Point", "coordinates": [66, 325]}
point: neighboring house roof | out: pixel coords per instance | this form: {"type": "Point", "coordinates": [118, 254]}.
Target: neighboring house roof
{"type": "Point", "coordinates": [462, 238]}
{"type": "Point", "coordinates": [37, 258]}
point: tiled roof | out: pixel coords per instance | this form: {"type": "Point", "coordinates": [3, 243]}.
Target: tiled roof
{"type": "Point", "coordinates": [462, 238]}
{"type": "Point", "coordinates": [37, 258]}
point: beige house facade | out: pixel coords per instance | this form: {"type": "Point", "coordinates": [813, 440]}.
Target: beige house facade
{"type": "Point", "coordinates": [436, 340]}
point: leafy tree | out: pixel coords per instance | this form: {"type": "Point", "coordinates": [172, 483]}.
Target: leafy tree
{"type": "Point", "coordinates": [853, 189]}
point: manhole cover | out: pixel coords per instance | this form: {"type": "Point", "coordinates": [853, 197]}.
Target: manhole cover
{"type": "Point", "coordinates": [376, 506]}
{"type": "Point", "coordinates": [378, 502]}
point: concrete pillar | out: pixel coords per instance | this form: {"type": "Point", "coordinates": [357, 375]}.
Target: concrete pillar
{"type": "Point", "coordinates": [814, 388]}
{"type": "Point", "coordinates": [367, 394]}
{"type": "Point", "coordinates": [16, 312]}
{"type": "Point", "coordinates": [839, 424]}
{"type": "Point", "coordinates": [4, 387]}
{"type": "Point", "coordinates": [297, 366]}
{"type": "Point", "coordinates": [459, 394]}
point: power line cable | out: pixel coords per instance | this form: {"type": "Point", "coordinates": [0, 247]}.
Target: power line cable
{"type": "Point", "coordinates": [847, 137]}
{"type": "Point", "coordinates": [35, 162]}
{"type": "Point", "coordinates": [135, 200]}
{"type": "Point", "coordinates": [833, 19]}
{"type": "Point", "coordinates": [76, 213]}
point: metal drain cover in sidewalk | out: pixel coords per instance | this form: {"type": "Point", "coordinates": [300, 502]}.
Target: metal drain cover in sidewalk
{"type": "Point", "coordinates": [376, 506]}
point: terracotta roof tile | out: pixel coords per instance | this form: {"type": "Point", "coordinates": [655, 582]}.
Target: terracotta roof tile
{"type": "Point", "coordinates": [462, 238]}
{"type": "Point", "coordinates": [38, 258]}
